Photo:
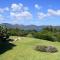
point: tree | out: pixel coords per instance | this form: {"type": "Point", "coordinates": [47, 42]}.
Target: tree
{"type": "Point", "coordinates": [4, 35]}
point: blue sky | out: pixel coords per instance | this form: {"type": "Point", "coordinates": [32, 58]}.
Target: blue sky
{"type": "Point", "coordinates": [35, 12]}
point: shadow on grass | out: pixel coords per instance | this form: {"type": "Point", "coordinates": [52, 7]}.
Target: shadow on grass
{"type": "Point", "coordinates": [5, 46]}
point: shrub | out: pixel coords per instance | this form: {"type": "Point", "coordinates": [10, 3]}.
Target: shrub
{"type": "Point", "coordinates": [4, 35]}
{"type": "Point", "coordinates": [29, 35]}
{"type": "Point", "coordinates": [58, 36]}
{"type": "Point", "coordinates": [43, 48]}
{"type": "Point", "coordinates": [46, 36]}
{"type": "Point", "coordinates": [49, 37]}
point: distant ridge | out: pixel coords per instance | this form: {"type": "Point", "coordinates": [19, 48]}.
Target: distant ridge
{"type": "Point", "coordinates": [26, 27]}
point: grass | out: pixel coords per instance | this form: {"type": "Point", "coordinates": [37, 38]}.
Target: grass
{"type": "Point", "coordinates": [24, 50]}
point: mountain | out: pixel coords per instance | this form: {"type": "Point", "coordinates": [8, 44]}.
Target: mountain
{"type": "Point", "coordinates": [26, 27]}
{"type": "Point", "coordinates": [8, 25]}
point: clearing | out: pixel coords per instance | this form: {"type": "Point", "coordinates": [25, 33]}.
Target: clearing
{"type": "Point", "coordinates": [24, 50]}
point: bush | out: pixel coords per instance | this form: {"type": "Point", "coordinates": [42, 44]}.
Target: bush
{"type": "Point", "coordinates": [58, 36]}
{"type": "Point", "coordinates": [49, 37]}
{"type": "Point", "coordinates": [29, 35]}
{"type": "Point", "coordinates": [43, 48]}
{"type": "Point", "coordinates": [46, 36]}
{"type": "Point", "coordinates": [4, 35]}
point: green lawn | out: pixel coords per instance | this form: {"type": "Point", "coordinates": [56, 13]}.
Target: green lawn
{"type": "Point", "coordinates": [24, 50]}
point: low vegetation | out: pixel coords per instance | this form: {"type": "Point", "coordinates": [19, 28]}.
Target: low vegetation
{"type": "Point", "coordinates": [48, 33]}
{"type": "Point", "coordinates": [24, 50]}
{"type": "Point", "coordinates": [4, 35]}
{"type": "Point", "coordinates": [48, 40]}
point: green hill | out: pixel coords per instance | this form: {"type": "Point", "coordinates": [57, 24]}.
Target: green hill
{"type": "Point", "coordinates": [24, 50]}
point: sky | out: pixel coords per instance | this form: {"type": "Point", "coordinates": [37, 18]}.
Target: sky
{"type": "Point", "coordinates": [30, 12]}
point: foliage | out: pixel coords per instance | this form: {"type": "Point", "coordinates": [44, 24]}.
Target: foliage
{"type": "Point", "coordinates": [46, 36]}
{"type": "Point", "coordinates": [4, 39]}
{"type": "Point", "coordinates": [24, 50]}
{"type": "Point", "coordinates": [48, 33]}
{"type": "Point", "coordinates": [20, 32]}
{"type": "Point", "coordinates": [4, 35]}
{"type": "Point", "coordinates": [29, 35]}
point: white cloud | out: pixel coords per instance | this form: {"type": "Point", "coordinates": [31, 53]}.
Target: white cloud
{"type": "Point", "coordinates": [19, 12]}
{"type": "Point", "coordinates": [50, 12]}
{"type": "Point", "coordinates": [20, 4]}
{"type": "Point", "coordinates": [54, 12]}
{"type": "Point", "coordinates": [6, 9]}
{"type": "Point", "coordinates": [37, 6]}
{"type": "Point", "coordinates": [26, 8]}
{"type": "Point", "coordinates": [41, 15]}
{"type": "Point", "coordinates": [2, 10]}
{"type": "Point", "coordinates": [19, 7]}
{"type": "Point", "coordinates": [15, 7]}
{"type": "Point", "coordinates": [21, 15]}
{"type": "Point", "coordinates": [15, 12]}
{"type": "Point", "coordinates": [1, 18]}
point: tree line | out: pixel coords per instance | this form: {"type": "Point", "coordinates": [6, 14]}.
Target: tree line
{"type": "Point", "coordinates": [48, 33]}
